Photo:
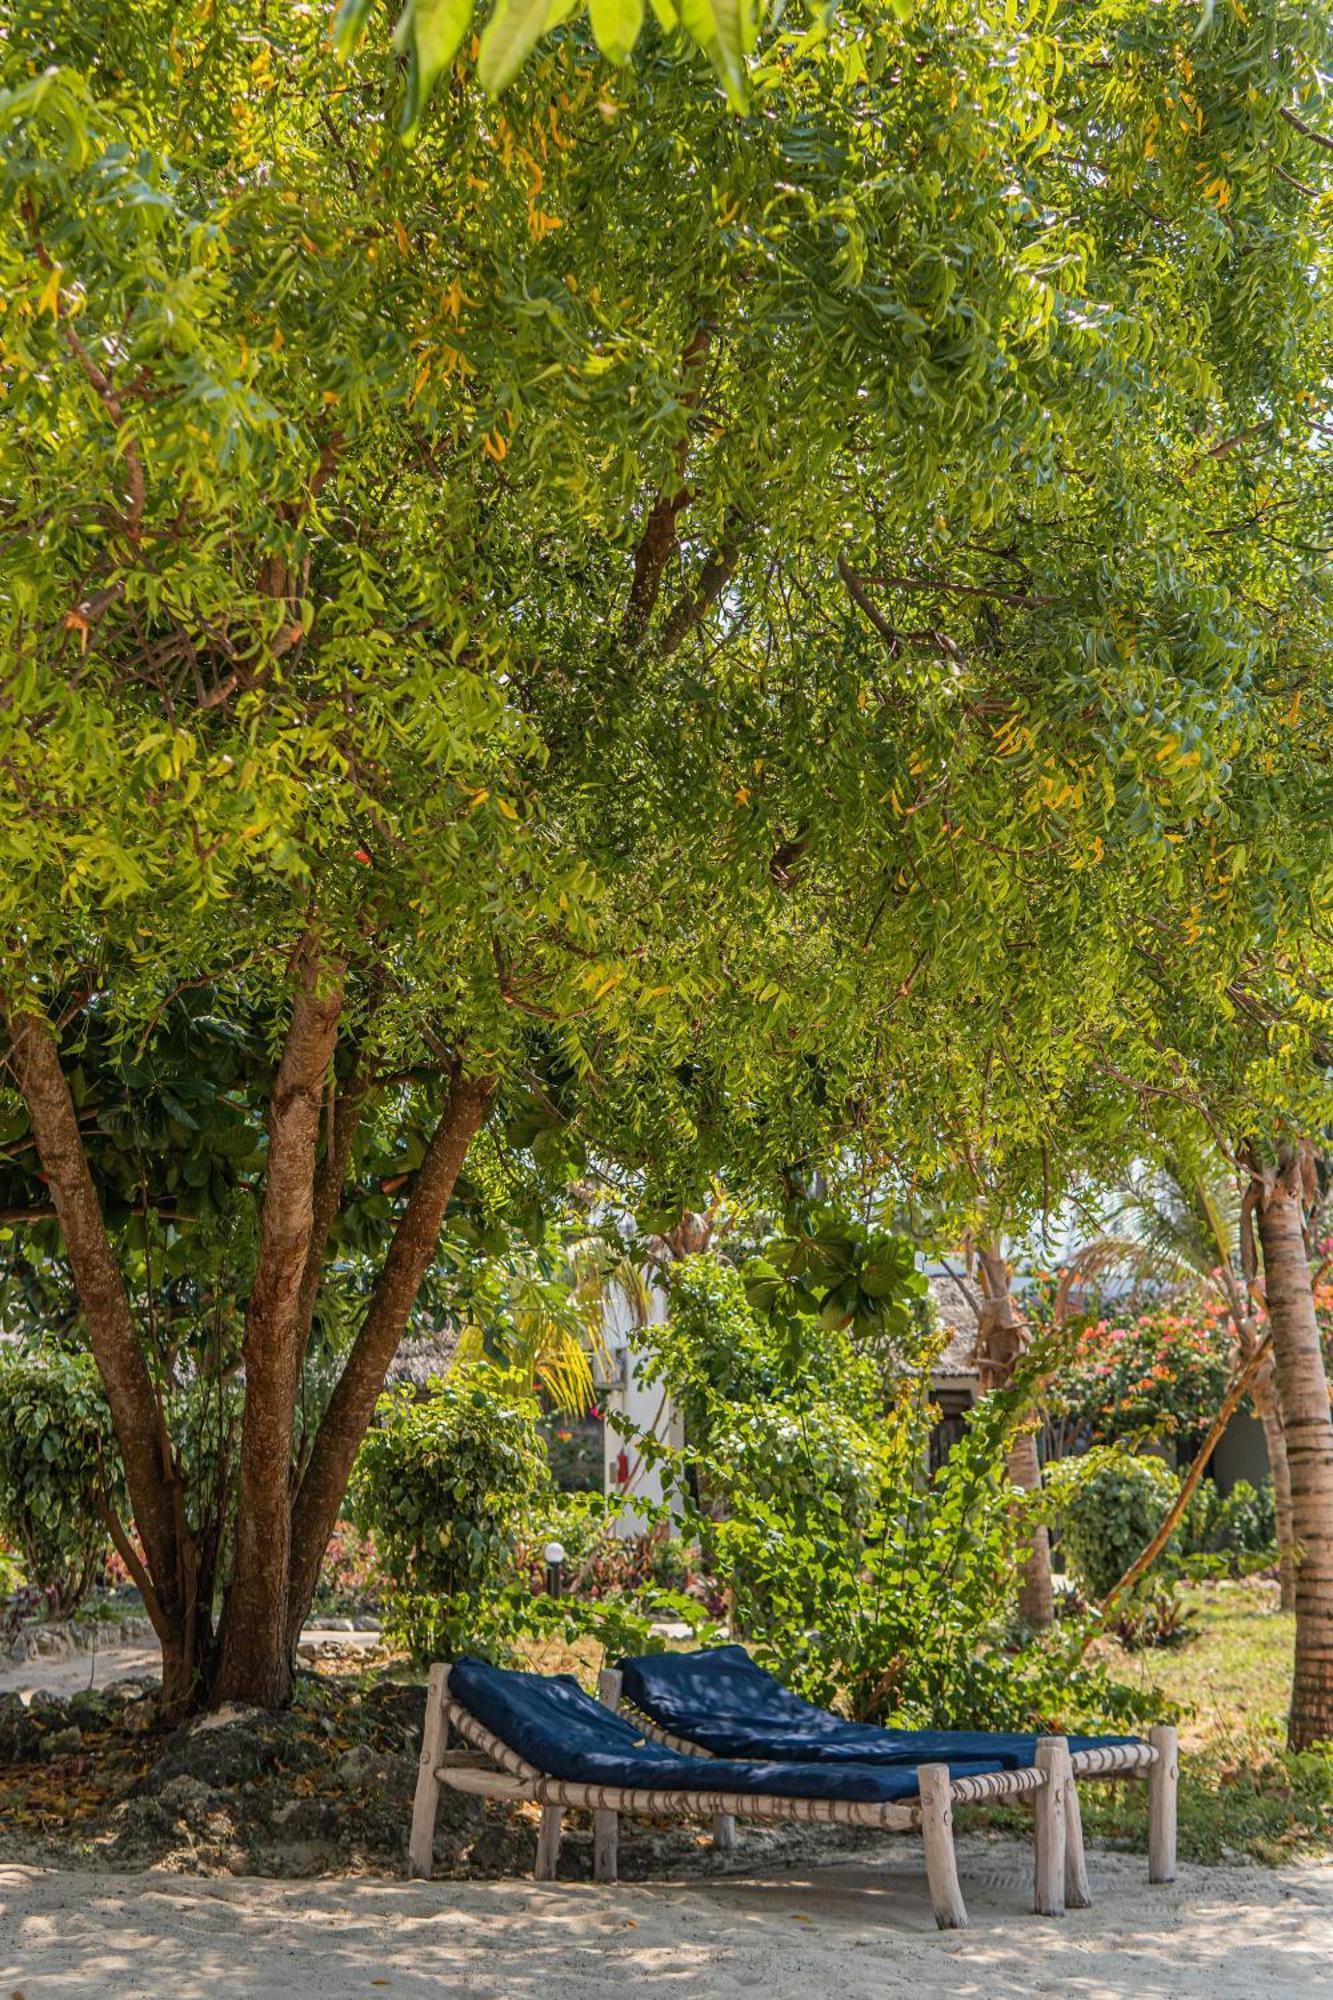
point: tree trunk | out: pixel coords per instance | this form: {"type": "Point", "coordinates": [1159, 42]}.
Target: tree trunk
{"type": "Point", "coordinates": [1303, 1393]}
{"type": "Point", "coordinates": [282, 1529]}
{"type": "Point", "coordinates": [1001, 1339]}
{"type": "Point", "coordinates": [151, 1475]}
{"type": "Point", "coordinates": [1036, 1596]}
{"type": "Point", "coordinates": [1275, 1440]}
{"type": "Point", "coordinates": [352, 1403]}
{"type": "Point", "coordinates": [1268, 1409]}
{"type": "Point", "coordinates": [255, 1660]}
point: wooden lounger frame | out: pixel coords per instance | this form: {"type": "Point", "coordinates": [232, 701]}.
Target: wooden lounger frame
{"type": "Point", "coordinates": [1157, 1761]}
{"type": "Point", "coordinates": [489, 1768]}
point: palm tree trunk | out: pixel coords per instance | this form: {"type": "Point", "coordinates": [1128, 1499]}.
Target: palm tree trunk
{"type": "Point", "coordinates": [1303, 1394]}
{"type": "Point", "coordinates": [1268, 1409]}
{"type": "Point", "coordinates": [1275, 1441]}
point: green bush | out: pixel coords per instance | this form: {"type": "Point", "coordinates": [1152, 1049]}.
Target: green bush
{"type": "Point", "coordinates": [444, 1484]}
{"type": "Point", "coordinates": [894, 1598]}
{"type": "Point", "coordinates": [806, 1461]}
{"type": "Point", "coordinates": [717, 1353]}
{"type": "Point", "coordinates": [1238, 1525]}
{"type": "Point", "coordinates": [1109, 1505]}
{"type": "Point", "coordinates": [58, 1461]}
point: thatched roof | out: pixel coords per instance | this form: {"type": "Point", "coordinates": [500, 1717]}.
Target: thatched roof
{"type": "Point", "coordinates": [954, 1309]}
{"type": "Point", "coordinates": [419, 1360]}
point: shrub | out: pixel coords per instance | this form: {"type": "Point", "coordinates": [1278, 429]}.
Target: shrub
{"type": "Point", "coordinates": [59, 1467]}
{"type": "Point", "coordinates": [1153, 1613]}
{"type": "Point", "coordinates": [349, 1576]}
{"type": "Point", "coordinates": [1164, 1373]}
{"type": "Point", "coordinates": [1109, 1505]}
{"type": "Point", "coordinates": [716, 1353]}
{"type": "Point", "coordinates": [443, 1483]}
{"type": "Point", "coordinates": [803, 1459]}
{"type": "Point", "coordinates": [897, 1602]}
{"type": "Point", "coordinates": [598, 1561]}
{"type": "Point", "coordinates": [1239, 1524]}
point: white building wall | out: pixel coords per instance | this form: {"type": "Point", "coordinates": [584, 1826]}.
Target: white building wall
{"type": "Point", "coordinates": [646, 1406]}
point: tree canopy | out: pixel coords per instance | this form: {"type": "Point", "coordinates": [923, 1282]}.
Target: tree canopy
{"type": "Point", "coordinates": [703, 638]}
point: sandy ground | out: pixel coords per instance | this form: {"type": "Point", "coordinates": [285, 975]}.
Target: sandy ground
{"type": "Point", "coordinates": [114, 1663]}
{"type": "Point", "coordinates": [854, 1930]}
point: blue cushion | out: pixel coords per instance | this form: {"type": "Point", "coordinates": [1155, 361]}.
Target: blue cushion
{"type": "Point", "coordinates": [552, 1723]}
{"type": "Point", "coordinates": [721, 1699]}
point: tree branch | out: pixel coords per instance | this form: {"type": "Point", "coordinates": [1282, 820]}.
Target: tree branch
{"type": "Point", "coordinates": [1143, 1562]}
{"type": "Point", "coordinates": [330, 1181]}
{"type": "Point", "coordinates": [1018, 600]}
{"type": "Point", "coordinates": [272, 1350]}
{"type": "Point", "coordinates": [143, 1583]}
{"type": "Point", "coordinates": [35, 1060]}
{"type": "Point", "coordinates": [864, 603]}
{"type": "Point", "coordinates": [352, 1403]}
{"type": "Point", "coordinates": [100, 383]}
{"type": "Point", "coordinates": [690, 609]}
{"type": "Point", "coordinates": [1306, 131]}
{"type": "Point", "coordinates": [658, 541]}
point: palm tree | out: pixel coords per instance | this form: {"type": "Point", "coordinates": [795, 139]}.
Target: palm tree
{"type": "Point", "coordinates": [548, 1328]}
{"type": "Point", "coordinates": [1184, 1213]}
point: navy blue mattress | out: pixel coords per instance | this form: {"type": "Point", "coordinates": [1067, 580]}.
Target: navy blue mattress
{"type": "Point", "coordinates": [551, 1722]}
{"type": "Point", "coordinates": [720, 1699]}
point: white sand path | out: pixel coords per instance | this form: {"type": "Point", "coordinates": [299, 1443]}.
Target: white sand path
{"type": "Point", "coordinates": [76, 1671]}
{"type": "Point", "coordinates": [846, 1931]}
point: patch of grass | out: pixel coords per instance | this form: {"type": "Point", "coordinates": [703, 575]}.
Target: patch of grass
{"type": "Point", "coordinates": [1242, 1792]}
{"type": "Point", "coordinates": [1232, 1676]}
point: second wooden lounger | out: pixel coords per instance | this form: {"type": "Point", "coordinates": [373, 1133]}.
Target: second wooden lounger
{"type": "Point", "coordinates": [719, 1702]}
{"type": "Point", "coordinates": [490, 1767]}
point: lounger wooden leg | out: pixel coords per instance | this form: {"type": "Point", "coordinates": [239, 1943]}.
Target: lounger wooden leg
{"type": "Point", "coordinates": [609, 1683]}
{"type": "Point", "coordinates": [434, 1738]}
{"type": "Point", "coordinates": [724, 1831]}
{"type": "Point", "coordinates": [1163, 1777]}
{"type": "Point", "coordinates": [1049, 1809]}
{"type": "Point", "coordinates": [548, 1844]}
{"type": "Point", "coordinates": [1077, 1894]}
{"type": "Point", "coordinates": [605, 1836]}
{"type": "Point", "coordinates": [946, 1896]}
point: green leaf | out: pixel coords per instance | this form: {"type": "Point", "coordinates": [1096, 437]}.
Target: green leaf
{"type": "Point", "coordinates": [616, 25]}
{"type": "Point", "coordinates": [510, 35]}
{"type": "Point", "coordinates": [349, 24]}
{"type": "Point", "coordinates": [432, 31]}
{"type": "Point", "coordinates": [725, 30]}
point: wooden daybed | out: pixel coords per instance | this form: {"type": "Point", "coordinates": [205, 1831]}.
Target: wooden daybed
{"type": "Point", "coordinates": [483, 1764]}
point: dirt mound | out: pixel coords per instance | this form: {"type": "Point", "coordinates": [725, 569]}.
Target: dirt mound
{"type": "Point", "coordinates": [323, 1788]}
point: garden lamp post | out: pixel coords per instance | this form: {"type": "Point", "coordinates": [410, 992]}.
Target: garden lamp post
{"type": "Point", "coordinates": [554, 1557]}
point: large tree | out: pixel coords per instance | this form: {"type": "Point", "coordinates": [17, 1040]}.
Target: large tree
{"type": "Point", "coordinates": [674, 633]}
